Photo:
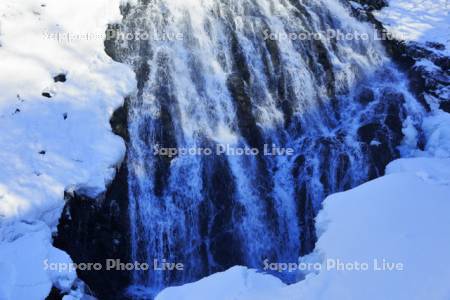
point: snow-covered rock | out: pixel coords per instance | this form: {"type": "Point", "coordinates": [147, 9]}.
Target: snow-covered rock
{"type": "Point", "coordinates": [418, 20]}
{"type": "Point", "coordinates": [423, 28]}
{"type": "Point", "coordinates": [55, 134]}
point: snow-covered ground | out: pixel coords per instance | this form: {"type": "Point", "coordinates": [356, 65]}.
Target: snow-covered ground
{"type": "Point", "coordinates": [49, 145]}
{"type": "Point", "coordinates": [418, 20]}
{"type": "Point", "coordinates": [397, 226]}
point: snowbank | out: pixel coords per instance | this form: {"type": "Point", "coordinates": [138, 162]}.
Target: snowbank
{"type": "Point", "coordinates": [55, 130]}
{"type": "Point", "coordinates": [418, 20]}
{"type": "Point", "coordinates": [235, 283]}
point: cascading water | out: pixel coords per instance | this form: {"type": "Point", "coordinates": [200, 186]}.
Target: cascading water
{"type": "Point", "coordinates": [228, 72]}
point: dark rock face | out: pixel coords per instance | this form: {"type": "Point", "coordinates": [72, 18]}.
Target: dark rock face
{"type": "Point", "coordinates": [237, 85]}
{"type": "Point", "coordinates": [93, 230]}
{"type": "Point", "coordinates": [55, 294]}
{"type": "Point", "coordinates": [119, 121]}
{"type": "Point", "coordinates": [375, 138]}
{"type": "Point", "coordinates": [220, 188]}
{"type": "Point", "coordinates": [373, 4]}
{"type": "Point", "coordinates": [306, 212]}
{"type": "Point", "coordinates": [247, 123]}
{"type": "Point", "coordinates": [366, 96]}
{"type": "Point", "coordinates": [445, 106]}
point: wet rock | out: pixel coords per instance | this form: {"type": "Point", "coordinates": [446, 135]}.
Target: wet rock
{"type": "Point", "coordinates": [93, 230]}
{"type": "Point", "coordinates": [55, 294]}
{"type": "Point", "coordinates": [373, 4]}
{"type": "Point", "coordinates": [435, 45]}
{"type": "Point", "coordinates": [445, 106]}
{"type": "Point", "coordinates": [119, 121]}
{"type": "Point", "coordinates": [246, 121]}
{"type": "Point", "coordinates": [380, 142]}
{"type": "Point", "coordinates": [393, 97]}
{"type": "Point", "coordinates": [221, 229]}
{"type": "Point", "coordinates": [369, 132]}
{"type": "Point", "coordinates": [443, 62]}
{"type": "Point", "coordinates": [305, 208]}
{"type": "Point", "coordinates": [366, 96]}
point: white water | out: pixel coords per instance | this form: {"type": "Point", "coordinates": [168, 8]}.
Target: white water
{"type": "Point", "coordinates": [303, 94]}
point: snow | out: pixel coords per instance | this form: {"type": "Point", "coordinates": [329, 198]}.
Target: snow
{"type": "Point", "coordinates": [428, 169]}
{"type": "Point", "coordinates": [245, 283]}
{"type": "Point", "coordinates": [22, 263]}
{"type": "Point", "coordinates": [437, 128]}
{"type": "Point", "coordinates": [57, 144]}
{"type": "Point", "coordinates": [418, 20]}
{"type": "Point", "coordinates": [392, 218]}
{"type": "Point", "coordinates": [356, 5]}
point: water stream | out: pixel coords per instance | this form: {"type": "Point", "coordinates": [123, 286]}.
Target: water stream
{"type": "Point", "coordinates": [249, 74]}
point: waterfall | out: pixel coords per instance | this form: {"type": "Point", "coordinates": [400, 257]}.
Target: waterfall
{"type": "Point", "coordinates": [231, 72]}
